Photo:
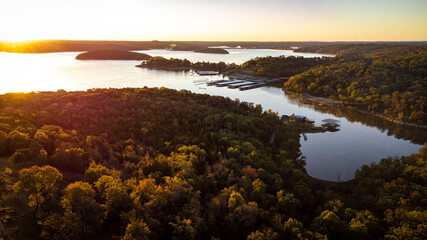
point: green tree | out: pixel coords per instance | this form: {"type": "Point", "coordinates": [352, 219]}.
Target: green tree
{"type": "Point", "coordinates": [72, 159]}
{"type": "Point", "coordinates": [330, 224]}
{"type": "Point", "coordinates": [79, 199]}
{"type": "Point", "coordinates": [137, 230]}
{"type": "Point", "coordinates": [68, 227]}
{"type": "Point", "coordinates": [114, 194]}
{"type": "Point", "coordinates": [287, 203]}
{"type": "Point", "coordinates": [95, 171]}
{"type": "Point", "coordinates": [235, 200]}
{"type": "Point", "coordinates": [41, 184]}
{"type": "Point", "coordinates": [17, 140]}
{"type": "Point", "coordinates": [3, 142]}
{"type": "Point", "coordinates": [182, 229]}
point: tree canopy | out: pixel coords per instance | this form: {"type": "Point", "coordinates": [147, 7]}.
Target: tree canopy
{"type": "Point", "coordinates": [165, 164]}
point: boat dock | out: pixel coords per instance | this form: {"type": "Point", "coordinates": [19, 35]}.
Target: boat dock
{"type": "Point", "coordinates": [244, 84]}
{"type": "Point", "coordinates": [213, 82]}
{"type": "Point", "coordinates": [204, 73]}
{"type": "Point", "coordinates": [251, 86]}
{"type": "Point", "coordinates": [226, 83]}
{"type": "Point", "coordinates": [241, 84]}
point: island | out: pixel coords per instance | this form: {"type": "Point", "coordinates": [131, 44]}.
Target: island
{"type": "Point", "coordinates": [112, 55]}
{"type": "Point", "coordinates": [212, 50]}
{"type": "Point", "coordinates": [198, 49]}
{"type": "Point", "coordinates": [161, 63]}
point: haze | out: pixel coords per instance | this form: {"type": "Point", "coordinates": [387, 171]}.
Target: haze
{"type": "Point", "coordinates": [269, 20]}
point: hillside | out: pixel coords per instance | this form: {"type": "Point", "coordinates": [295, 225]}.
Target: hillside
{"type": "Point", "coordinates": [390, 81]}
{"type": "Point", "coordinates": [365, 50]}
{"type": "Point", "coordinates": [165, 164]}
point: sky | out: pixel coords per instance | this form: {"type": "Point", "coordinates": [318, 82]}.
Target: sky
{"type": "Point", "coordinates": [217, 20]}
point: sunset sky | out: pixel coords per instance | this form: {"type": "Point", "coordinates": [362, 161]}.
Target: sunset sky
{"type": "Point", "coordinates": [253, 20]}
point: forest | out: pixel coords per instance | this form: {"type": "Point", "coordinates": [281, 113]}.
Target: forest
{"type": "Point", "coordinates": [282, 66]}
{"type": "Point", "coordinates": [163, 63]}
{"type": "Point", "coordinates": [386, 80]}
{"type": "Point", "coordinates": [112, 55]}
{"type": "Point", "coordinates": [198, 49]}
{"type": "Point", "coordinates": [155, 163]}
{"type": "Point", "coordinates": [391, 82]}
{"type": "Point", "coordinates": [180, 64]}
{"type": "Point", "coordinates": [366, 50]}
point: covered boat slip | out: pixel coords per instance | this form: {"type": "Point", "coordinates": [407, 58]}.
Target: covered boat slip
{"type": "Point", "coordinates": [251, 86]}
{"type": "Point", "coordinates": [204, 73]}
{"type": "Point", "coordinates": [227, 83]}
{"type": "Point", "coordinates": [244, 84]}
{"type": "Point", "coordinates": [241, 84]}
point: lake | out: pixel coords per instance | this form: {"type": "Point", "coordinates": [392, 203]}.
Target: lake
{"type": "Point", "coordinates": [334, 156]}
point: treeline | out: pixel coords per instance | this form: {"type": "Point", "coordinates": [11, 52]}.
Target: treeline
{"type": "Point", "coordinates": [392, 85]}
{"type": "Point", "coordinates": [212, 50]}
{"type": "Point", "coordinates": [163, 63]}
{"type": "Point", "coordinates": [112, 55]}
{"type": "Point", "coordinates": [414, 134]}
{"type": "Point", "coordinates": [282, 66]}
{"type": "Point", "coordinates": [364, 50]}
{"type": "Point", "coordinates": [174, 63]}
{"type": "Point", "coordinates": [165, 164]}
{"type": "Point", "coordinates": [198, 49]}
{"type": "Point", "coordinates": [47, 46]}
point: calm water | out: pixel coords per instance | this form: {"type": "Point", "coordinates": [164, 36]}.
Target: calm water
{"type": "Point", "coordinates": [361, 140]}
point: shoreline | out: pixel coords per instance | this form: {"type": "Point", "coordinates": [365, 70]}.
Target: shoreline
{"type": "Point", "coordinates": [165, 68]}
{"type": "Point", "coordinates": [339, 104]}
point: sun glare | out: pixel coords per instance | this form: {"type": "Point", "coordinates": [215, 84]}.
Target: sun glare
{"type": "Point", "coordinates": [16, 38]}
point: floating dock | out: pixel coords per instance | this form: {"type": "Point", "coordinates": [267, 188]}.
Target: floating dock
{"type": "Point", "coordinates": [251, 86]}
{"type": "Point", "coordinates": [213, 82]}
{"type": "Point", "coordinates": [241, 84]}
{"type": "Point", "coordinates": [245, 84]}
{"type": "Point", "coordinates": [204, 73]}
{"type": "Point", "coordinates": [226, 83]}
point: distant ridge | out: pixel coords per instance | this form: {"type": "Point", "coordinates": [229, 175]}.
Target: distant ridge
{"type": "Point", "coordinates": [46, 46]}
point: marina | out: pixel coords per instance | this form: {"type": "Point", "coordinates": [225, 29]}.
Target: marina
{"type": "Point", "coordinates": [205, 73]}
{"type": "Point", "coordinates": [251, 86]}
{"type": "Point", "coordinates": [226, 83]}
{"type": "Point", "coordinates": [243, 85]}
{"type": "Point", "coordinates": [237, 85]}
{"type": "Point", "coordinates": [362, 139]}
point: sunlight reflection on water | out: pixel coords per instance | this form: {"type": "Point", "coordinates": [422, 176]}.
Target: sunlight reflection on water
{"type": "Point", "coordinates": [328, 154]}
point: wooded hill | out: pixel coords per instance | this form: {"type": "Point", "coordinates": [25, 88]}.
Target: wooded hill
{"type": "Point", "coordinates": [391, 81]}
{"type": "Point", "coordinates": [165, 164]}
{"type": "Point", "coordinates": [382, 79]}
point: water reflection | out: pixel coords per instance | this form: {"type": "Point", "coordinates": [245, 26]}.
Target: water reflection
{"type": "Point", "coordinates": [414, 134]}
{"type": "Point", "coordinates": [362, 139]}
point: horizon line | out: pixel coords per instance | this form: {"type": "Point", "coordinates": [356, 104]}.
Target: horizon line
{"type": "Point", "coordinates": [284, 41]}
